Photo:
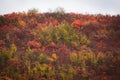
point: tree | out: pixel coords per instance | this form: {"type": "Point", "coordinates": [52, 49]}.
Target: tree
{"type": "Point", "coordinates": [33, 11]}
{"type": "Point", "coordinates": [60, 10]}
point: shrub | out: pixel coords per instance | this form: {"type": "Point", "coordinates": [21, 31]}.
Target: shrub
{"type": "Point", "coordinates": [87, 58]}
{"type": "Point", "coordinates": [13, 50]}
{"type": "Point", "coordinates": [84, 40]}
{"type": "Point", "coordinates": [74, 57]}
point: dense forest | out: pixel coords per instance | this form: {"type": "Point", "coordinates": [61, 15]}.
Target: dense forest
{"type": "Point", "coordinates": [59, 46]}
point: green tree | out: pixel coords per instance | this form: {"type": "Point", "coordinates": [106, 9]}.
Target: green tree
{"type": "Point", "coordinates": [33, 11]}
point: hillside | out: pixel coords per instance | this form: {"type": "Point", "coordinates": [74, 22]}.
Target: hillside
{"type": "Point", "coordinates": [59, 46]}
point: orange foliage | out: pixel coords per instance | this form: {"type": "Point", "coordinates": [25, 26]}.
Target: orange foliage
{"type": "Point", "coordinates": [100, 55]}
{"type": "Point", "coordinates": [52, 44]}
{"type": "Point", "coordinates": [55, 22]}
{"type": "Point", "coordinates": [22, 23]}
{"type": "Point", "coordinates": [33, 44]}
{"type": "Point", "coordinates": [77, 23]}
{"type": "Point", "coordinates": [94, 21]}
